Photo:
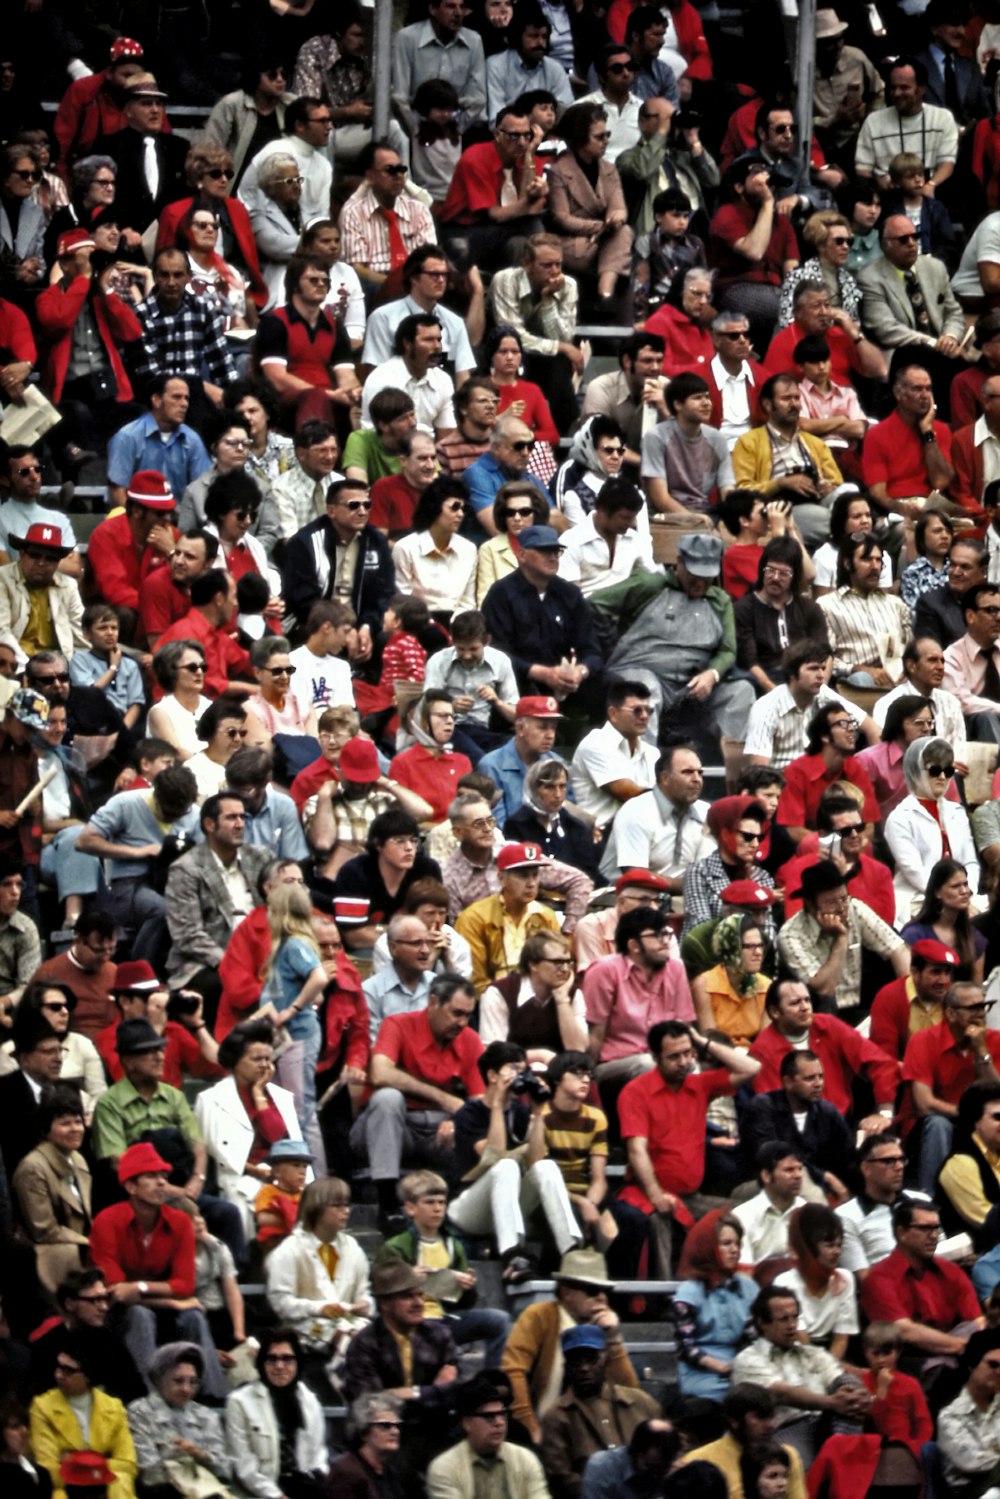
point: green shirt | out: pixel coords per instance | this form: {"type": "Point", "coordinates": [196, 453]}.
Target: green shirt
{"type": "Point", "coordinates": [122, 1115]}
{"type": "Point", "coordinates": [364, 449]}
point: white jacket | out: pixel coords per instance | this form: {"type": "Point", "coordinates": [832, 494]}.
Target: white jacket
{"type": "Point", "coordinates": [228, 1133]}
{"type": "Point", "coordinates": [253, 1439]}
{"type": "Point", "coordinates": [915, 841]}
{"type": "Point", "coordinates": [298, 1286]}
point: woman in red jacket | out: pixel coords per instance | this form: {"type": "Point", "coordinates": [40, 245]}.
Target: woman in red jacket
{"type": "Point", "coordinates": [684, 322]}
{"type": "Point", "coordinates": [209, 172]}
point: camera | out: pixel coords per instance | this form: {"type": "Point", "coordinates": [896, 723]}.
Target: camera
{"type": "Point", "coordinates": [529, 1082]}
{"type": "Point", "coordinates": [182, 1002]}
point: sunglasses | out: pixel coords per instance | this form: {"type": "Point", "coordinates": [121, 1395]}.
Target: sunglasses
{"type": "Point", "coordinates": [33, 176]}
{"type": "Point", "coordinates": [29, 468]}
{"type": "Point", "coordinates": [357, 505]}
{"type": "Point", "coordinates": [236, 733]}
{"type": "Point", "coordinates": [940, 770]}
{"type": "Point", "coordinates": [750, 837]}
{"type": "Point", "coordinates": [280, 671]}
{"type": "Point", "coordinates": [217, 173]}
{"type": "Point", "coordinates": [620, 67]}
{"type": "Point", "coordinates": [59, 676]}
{"type": "Point", "coordinates": [525, 445]}
{"type": "Point", "coordinates": [387, 1425]}
{"type": "Point", "coordinates": [186, 666]}
{"type": "Point", "coordinates": [842, 239]}
{"type": "Point", "coordinates": [902, 239]}
{"type": "Point", "coordinates": [523, 514]}
{"type": "Point", "coordinates": [62, 1005]}
{"type": "Point", "coordinates": [398, 170]}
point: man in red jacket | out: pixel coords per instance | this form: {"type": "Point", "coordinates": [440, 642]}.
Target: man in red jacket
{"type": "Point", "coordinates": [69, 313]}
{"type": "Point", "coordinates": [213, 601]}
{"type": "Point", "coordinates": [126, 548]}
{"type": "Point", "coordinates": [92, 106]}
{"type": "Point", "coordinates": [146, 1251]}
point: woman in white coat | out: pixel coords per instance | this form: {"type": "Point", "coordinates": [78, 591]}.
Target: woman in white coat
{"type": "Point", "coordinates": [924, 827]}
{"type": "Point", "coordinates": [242, 1116]}
{"type": "Point", "coordinates": [275, 1427]}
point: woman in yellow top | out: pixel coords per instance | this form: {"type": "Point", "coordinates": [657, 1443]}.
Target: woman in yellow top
{"type": "Point", "coordinates": [730, 996]}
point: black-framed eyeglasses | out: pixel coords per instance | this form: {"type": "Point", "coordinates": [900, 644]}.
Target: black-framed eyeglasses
{"type": "Point", "coordinates": [516, 135]}
{"type": "Point", "coordinates": [280, 671]}
{"type": "Point", "coordinates": [28, 468]}
{"type": "Point", "coordinates": [184, 666]}
{"type": "Point", "coordinates": [235, 733]}
{"type": "Point", "coordinates": [396, 170]}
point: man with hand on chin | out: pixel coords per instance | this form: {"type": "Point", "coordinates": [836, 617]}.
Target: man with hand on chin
{"type": "Point", "coordinates": [908, 455]}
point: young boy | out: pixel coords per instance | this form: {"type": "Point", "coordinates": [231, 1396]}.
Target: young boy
{"type": "Point", "coordinates": [899, 1412]}
{"type": "Point", "coordinates": [449, 1284]}
{"type": "Point", "coordinates": [576, 1136]}
{"type": "Point", "coordinates": [480, 678]}
{"type": "Point", "coordinates": [149, 757]}
{"type": "Point", "coordinates": [105, 665]}
{"type": "Point", "coordinates": [928, 216]}
{"type": "Point", "coordinates": [754, 521]}
{"type": "Point", "coordinates": [828, 409]}
{"type": "Point", "coordinates": [276, 1206]}
{"type": "Point", "coordinates": [322, 676]}
{"type": "Point", "coordinates": [668, 248]}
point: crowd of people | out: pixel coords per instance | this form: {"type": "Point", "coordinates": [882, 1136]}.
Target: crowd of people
{"type": "Point", "coordinates": [462, 591]}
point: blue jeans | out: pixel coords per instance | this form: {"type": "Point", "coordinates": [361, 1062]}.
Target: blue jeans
{"type": "Point", "coordinates": [295, 1069]}
{"type": "Point", "coordinates": [485, 1323]}
{"type": "Point", "coordinates": [74, 873]}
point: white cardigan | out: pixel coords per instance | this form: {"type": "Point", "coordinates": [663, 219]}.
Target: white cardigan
{"type": "Point", "coordinates": [253, 1439]}
{"type": "Point", "coordinates": [298, 1286]}
{"type": "Point", "coordinates": [915, 840]}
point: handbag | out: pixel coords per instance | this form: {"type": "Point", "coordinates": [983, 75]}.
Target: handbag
{"type": "Point", "coordinates": [192, 1480]}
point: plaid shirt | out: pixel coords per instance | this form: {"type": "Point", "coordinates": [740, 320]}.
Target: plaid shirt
{"type": "Point", "coordinates": [180, 342]}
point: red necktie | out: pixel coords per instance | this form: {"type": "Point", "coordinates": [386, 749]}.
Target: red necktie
{"type": "Point", "coordinates": [397, 250]}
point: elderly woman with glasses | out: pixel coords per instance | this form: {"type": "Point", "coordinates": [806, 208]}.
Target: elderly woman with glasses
{"type": "Point", "coordinates": [276, 708]}
{"type": "Point", "coordinates": [831, 237]}
{"type": "Point", "coordinates": [170, 1424]}
{"type": "Point", "coordinates": [927, 827]}
{"type": "Point", "coordinates": [373, 1429]}
{"type": "Point", "coordinates": [684, 322]}
{"type": "Point", "coordinates": [597, 453]}
{"type": "Point", "coordinates": [209, 170]}
{"type": "Point", "coordinates": [276, 220]}
{"type": "Point", "coordinates": [179, 668]}
{"type": "Point", "coordinates": [52, 1185]}
{"type": "Point", "coordinates": [92, 184]}
{"type": "Point", "coordinates": [587, 203]}
{"type": "Point", "coordinates": [543, 818]}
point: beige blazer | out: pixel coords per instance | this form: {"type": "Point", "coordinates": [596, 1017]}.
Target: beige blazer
{"type": "Point", "coordinates": [51, 1214]}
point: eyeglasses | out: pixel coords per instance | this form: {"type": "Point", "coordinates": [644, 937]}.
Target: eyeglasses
{"type": "Point", "coordinates": [642, 711]}
{"type": "Point", "coordinates": [926, 1228]}
{"type": "Point", "coordinates": [387, 1425]}
{"type": "Point", "coordinates": [59, 676]}
{"type": "Point", "coordinates": [842, 239]}
{"type": "Point", "coordinates": [782, 129]}
{"type": "Point", "coordinates": [492, 1415]}
{"type": "Point", "coordinates": [525, 445]}
{"type": "Point", "coordinates": [736, 333]}
{"type": "Point", "coordinates": [56, 1008]}
{"type": "Point", "coordinates": [357, 505]}
{"type": "Point", "coordinates": [33, 176]}
{"type": "Point", "coordinates": [516, 135]}
{"type": "Point", "coordinates": [204, 224]}
{"type": "Point", "coordinates": [600, 135]}
{"type": "Point", "coordinates": [852, 831]}
{"type": "Point", "coordinates": [104, 182]}
{"type": "Point", "coordinates": [235, 733]}
{"type": "Point", "coordinates": [520, 513]}
{"type": "Point", "coordinates": [320, 120]}
{"type": "Point", "coordinates": [941, 770]}
{"type": "Point", "coordinates": [28, 468]}
{"type": "Point", "coordinates": [104, 946]}
{"type": "Point", "coordinates": [991, 609]}
{"type": "Point", "coordinates": [560, 962]}
{"type": "Point", "coordinates": [780, 574]}
{"type": "Point", "coordinates": [750, 837]}
{"type": "Point", "coordinates": [187, 666]}
{"type": "Point", "coordinates": [435, 275]}
{"type": "Point", "coordinates": [887, 1160]}
{"type": "Point", "coordinates": [841, 723]}
{"type": "Point", "coordinates": [620, 67]}
{"type": "Point", "coordinates": [217, 173]}
{"type": "Point", "coordinates": [296, 180]}
{"type": "Point", "coordinates": [94, 1300]}
{"type": "Point", "coordinates": [614, 451]}
{"type": "Point", "coordinates": [457, 507]}
{"type": "Point", "coordinates": [241, 443]}
{"type": "Point", "coordinates": [902, 239]}
{"type": "Point", "coordinates": [482, 824]}
{"type": "Point", "coordinates": [280, 671]}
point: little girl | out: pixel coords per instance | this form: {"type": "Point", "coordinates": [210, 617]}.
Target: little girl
{"type": "Point", "coordinates": [295, 981]}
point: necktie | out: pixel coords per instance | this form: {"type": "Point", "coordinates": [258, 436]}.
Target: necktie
{"type": "Point", "coordinates": [991, 681]}
{"type": "Point", "coordinates": [150, 165]}
{"type": "Point", "coordinates": [679, 839]}
{"type": "Point", "coordinates": [319, 498]}
{"type": "Point", "coordinates": [951, 99]}
{"type": "Point", "coordinates": [508, 188]}
{"type": "Point", "coordinates": [397, 250]}
{"type": "Point", "coordinates": [920, 315]}
{"type": "Point", "coordinates": [330, 1259]}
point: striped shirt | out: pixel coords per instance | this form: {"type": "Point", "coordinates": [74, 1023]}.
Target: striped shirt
{"type": "Point", "coordinates": [366, 233]}
{"type": "Point", "coordinates": [777, 727]}
{"type": "Point", "coordinates": [865, 628]}
{"type": "Point", "coordinates": [571, 1139]}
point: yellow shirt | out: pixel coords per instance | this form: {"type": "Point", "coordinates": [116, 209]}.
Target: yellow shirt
{"type": "Point", "coordinates": [738, 1016]}
{"type": "Point", "coordinates": [38, 632]}
{"type": "Point", "coordinates": [434, 1254]}
{"type": "Point", "coordinates": [406, 1354]}
{"type": "Point", "coordinates": [960, 1179]}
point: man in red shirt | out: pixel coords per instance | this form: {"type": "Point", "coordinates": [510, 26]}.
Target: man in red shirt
{"type": "Point", "coordinates": [940, 1063]}
{"type": "Point", "coordinates": [839, 1047]}
{"type": "Point", "coordinates": [867, 879]}
{"type": "Point", "coordinates": [753, 246]}
{"type": "Point", "coordinates": [125, 549]}
{"type": "Point", "coordinates": [915, 1002]}
{"type": "Point", "coordinates": [498, 191]}
{"type": "Point", "coordinates": [908, 455]}
{"type": "Point", "coordinates": [662, 1116]}
{"type": "Point", "coordinates": [92, 106]}
{"type": "Point", "coordinates": [829, 757]}
{"type": "Point", "coordinates": [305, 353]}
{"type": "Point", "coordinates": [812, 316]}
{"type": "Point", "coordinates": [423, 1068]}
{"type": "Point", "coordinates": [213, 601]}
{"type": "Point", "coordinates": [166, 593]}
{"type": "Point", "coordinates": [140, 995]}
{"type": "Point", "coordinates": [926, 1297]}
{"type": "Point", "coordinates": [86, 967]}
{"type": "Point", "coordinates": [146, 1251]}
{"type": "Point", "coordinates": [394, 498]}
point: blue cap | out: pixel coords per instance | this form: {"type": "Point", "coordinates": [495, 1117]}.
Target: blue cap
{"type": "Point", "coordinates": [288, 1150]}
{"type": "Point", "coordinates": [585, 1336]}
{"type": "Point", "coordinates": [539, 537]}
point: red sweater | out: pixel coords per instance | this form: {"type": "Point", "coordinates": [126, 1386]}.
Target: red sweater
{"type": "Point", "coordinates": [112, 560]}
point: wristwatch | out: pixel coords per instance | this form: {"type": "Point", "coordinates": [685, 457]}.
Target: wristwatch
{"type": "Point", "coordinates": [930, 436]}
{"type": "Point", "coordinates": [143, 1287]}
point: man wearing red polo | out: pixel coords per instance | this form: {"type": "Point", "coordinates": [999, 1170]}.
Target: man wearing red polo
{"type": "Point", "coordinates": [939, 1064]}
{"type": "Point", "coordinates": [146, 1252]}
{"type": "Point", "coordinates": [926, 1297]}
{"type": "Point", "coordinates": [829, 757]}
{"type": "Point", "coordinates": [213, 602]}
{"type": "Point", "coordinates": [423, 1068]}
{"type": "Point", "coordinates": [914, 1002]}
{"type": "Point", "coordinates": [908, 455]}
{"type": "Point", "coordinates": [662, 1117]}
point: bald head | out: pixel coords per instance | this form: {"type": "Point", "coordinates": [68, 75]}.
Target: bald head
{"type": "Point", "coordinates": [900, 243]}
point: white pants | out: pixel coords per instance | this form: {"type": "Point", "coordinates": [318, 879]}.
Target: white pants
{"type": "Point", "coordinates": [501, 1199]}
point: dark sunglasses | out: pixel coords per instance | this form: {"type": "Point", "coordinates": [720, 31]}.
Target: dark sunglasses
{"type": "Point", "coordinates": [522, 513]}
{"type": "Point", "coordinates": [902, 239]}
{"type": "Point", "coordinates": [940, 770]}
{"type": "Point", "coordinates": [398, 170]}
{"type": "Point", "coordinates": [842, 239]}
{"type": "Point", "coordinates": [28, 468]}
{"type": "Point", "coordinates": [358, 504]}
{"type": "Point", "coordinates": [217, 173]}
{"type": "Point", "coordinates": [525, 445]}
{"type": "Point", "coordinates": [273, 73]}
{"type": "Point", "coordinates": [61, 676]}
{"type": "Point", "coordinates": [31, 176]}
{"type": "Point", "coordinates": [280, 671]}
{"type": "Point", "coordinates": [620, 67]}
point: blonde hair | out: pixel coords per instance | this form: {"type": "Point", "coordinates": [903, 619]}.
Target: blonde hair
{"type": "Point", "coordinates": [289, 914]}
{"type": "Point", "coordinates": [418, 1184]}
{"type": "Point", "coordinates": [816, 229]}
{"type": "Point", "coordinates": [902, 162]}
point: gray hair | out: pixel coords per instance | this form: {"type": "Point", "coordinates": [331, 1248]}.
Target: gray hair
{"type": "Point", "coordinates": [272, 167]}
{"type": "Point", "coordinates": [398, 922]}
{"type": "Point", "coordinates": [264, 650]}
{"type": "Point", "coordinates": [45, 658]}
{"type": "Point", "coordinates": [505, 427]}
{"type": "Point", "coordinates": [168, 1356]}
{"type": "Point", "coordinates": [698, 273]}
{"type": "Point", "coordinates": [86, 169]}
{"type": "Point", "coordinates": [364, 1410]}
{"type": "Point", "coordinates": [727, 319]}
{"type": "Point", "coordinates": [463, 801]}
{"type": "Point", "coordinates": [807, 288]}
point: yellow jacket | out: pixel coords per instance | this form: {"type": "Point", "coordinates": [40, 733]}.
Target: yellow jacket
{"type": "Point", "coordinates": [56, 1431]}
{"type": "Point", "coordinates": [752, 460]}
{"type": "Point", "coordinates": [481, 924]}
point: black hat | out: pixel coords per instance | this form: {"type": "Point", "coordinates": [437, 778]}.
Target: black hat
{"type": "Point", "coordinates": [483, 1389]}
{"type": "Point", "coordinates": [819, 877]}
{"type": "Point", "coordinates": [133, 1037]}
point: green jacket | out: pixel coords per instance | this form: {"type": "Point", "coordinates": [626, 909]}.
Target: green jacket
{"type": "Point", "coordinates": [405, 1247]}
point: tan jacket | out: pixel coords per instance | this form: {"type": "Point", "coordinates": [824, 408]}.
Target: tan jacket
{"type": "Point", "coordinates": [54, 1218]}
{"type": "Point", "coordinates": [531, 1352]}
{"type": "Point", "coordinates": [65, 606]}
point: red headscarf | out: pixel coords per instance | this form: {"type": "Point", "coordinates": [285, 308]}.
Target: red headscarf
{"type": "Point", "coordinates": [724, 817]}
{"type": "Point", "coordinates": [700, 1255]}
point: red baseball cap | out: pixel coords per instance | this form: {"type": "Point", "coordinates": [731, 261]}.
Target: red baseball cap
{"type": "Point", "coordinates": [518, 856]}
{"type": "Point", "coordinates": [538, 707]}
{"type": "Point", "coordinates": [151, 488]}
{"type": "Point", "coordinates": [644, 878]}
{"type": "Point", "coordinates": [125, 46]}
{"type": "Point", "coordinates": [74, 239]}
{"type": "Point", "coordinates": [137, 976]}
{"type": "Point", "coordinates": [933, 951]}
{"type": "Point", "coordinates": [139, 1159]}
